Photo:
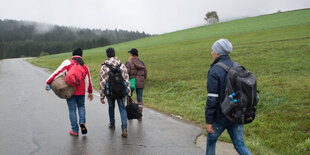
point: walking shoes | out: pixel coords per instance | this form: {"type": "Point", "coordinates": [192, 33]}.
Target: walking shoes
{"type": "Point", "coordinates": [83, 128]}
{"type": "Point", "coordinates": [124, 132]}
{"type": "Point", "coordinates": [111, 126]}
{"type": "Point", "coordinates": [73, 133]}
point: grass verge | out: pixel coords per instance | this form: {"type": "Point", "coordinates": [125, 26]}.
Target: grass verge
{"type": "Point", "coordinates": [276, 48]}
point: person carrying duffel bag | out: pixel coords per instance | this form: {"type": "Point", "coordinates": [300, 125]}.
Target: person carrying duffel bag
{"type": "Point", "coordinates": [137, 74]}
{"type": "Point", "coordinates": [75, 72]}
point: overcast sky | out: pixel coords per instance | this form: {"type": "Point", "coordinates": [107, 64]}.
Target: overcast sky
{"type": "Point", "coordinates": [150, 16]}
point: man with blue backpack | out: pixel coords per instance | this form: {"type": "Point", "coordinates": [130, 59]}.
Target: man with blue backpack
{"type": "Point", "coordinates": [228, 104]}
{"type": "Point", "coordinates": [115, 86]}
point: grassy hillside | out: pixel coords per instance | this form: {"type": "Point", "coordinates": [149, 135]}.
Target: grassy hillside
{"type": "Point", "coordinates": [276, 48]}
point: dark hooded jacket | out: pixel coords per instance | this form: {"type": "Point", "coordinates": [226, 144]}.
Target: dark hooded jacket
{"type": "Point", "coordinates": [136, 69]}
{"type": "Point", "coordinates": [216, 85]}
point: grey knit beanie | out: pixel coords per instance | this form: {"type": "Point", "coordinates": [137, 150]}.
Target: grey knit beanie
{"type": "Point", "coordinates": [222, 47]}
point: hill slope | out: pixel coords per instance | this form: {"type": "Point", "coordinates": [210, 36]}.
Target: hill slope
{"type": "Point", "coordinates": [276, 48]}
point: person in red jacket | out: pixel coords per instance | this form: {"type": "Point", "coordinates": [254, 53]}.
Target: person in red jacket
{"type": "Point", "coordinates": [78, 98]}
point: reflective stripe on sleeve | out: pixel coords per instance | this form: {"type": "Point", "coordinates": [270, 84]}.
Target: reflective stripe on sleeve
{"type": "Point", "coordinates": [213, 95]}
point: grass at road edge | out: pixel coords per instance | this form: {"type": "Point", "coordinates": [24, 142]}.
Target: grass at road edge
{"type": "Point", "coordinates": [178, 62]}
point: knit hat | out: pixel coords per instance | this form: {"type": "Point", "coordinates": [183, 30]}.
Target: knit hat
{"type": "Point", "coordinates": [110, 52]}
{"type": "Point", "coordinates": [133, 51]}
{"type": "Point", "coordinates": [78, 52]}
{"type": "Point", "coordinates": [222, 47]}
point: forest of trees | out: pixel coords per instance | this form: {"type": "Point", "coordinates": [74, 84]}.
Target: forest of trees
{"type": "Point", "coordinates": [24, 39]}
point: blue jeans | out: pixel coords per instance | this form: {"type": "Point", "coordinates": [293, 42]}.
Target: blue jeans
{"type": "Point", "coordinates": [73, 102]}
{"type": "Point", "coordinates": [139, 92]}
{"type": "Point", "coordinates": [121, 108]}
{"type": "Point", "coordinates": [236, 134]}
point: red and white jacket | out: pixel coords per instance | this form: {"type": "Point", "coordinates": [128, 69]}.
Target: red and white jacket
{"type": "Point", "coordinates": [64, 68]}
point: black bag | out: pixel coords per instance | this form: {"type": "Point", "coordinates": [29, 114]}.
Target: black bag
{"type": "Point", "coordinates": [241, 95]}
{"type": "Point", "coordinates": [133, 111]}
{"type": "Point", "coordinates": [116, 86]}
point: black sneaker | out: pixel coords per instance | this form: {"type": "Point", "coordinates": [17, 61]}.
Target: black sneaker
{"type": "Point", "coordinates": [83, 128]}
{"type": "Point", "coordinates": [111, 126]}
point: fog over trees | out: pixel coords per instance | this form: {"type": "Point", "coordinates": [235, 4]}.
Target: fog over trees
{"type": "Point", "coordinates": [23, 38]}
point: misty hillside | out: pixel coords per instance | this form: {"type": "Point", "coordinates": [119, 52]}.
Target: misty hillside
{"type": "Point", "coordinates": [23, 38]}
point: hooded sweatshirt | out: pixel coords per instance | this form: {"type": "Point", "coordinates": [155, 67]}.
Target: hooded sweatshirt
{"type": "Point", "coordinates": [136, 69]}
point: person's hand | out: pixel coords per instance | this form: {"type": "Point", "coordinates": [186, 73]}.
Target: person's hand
{"type": "Point", "coordinates": [209, 128]}
{"type": "Point", "coordinates": [90, 96]}
{"type": "Point", "coordinates": [102, 101]}
{"type": "Point", "coordinates": [48, 87]}
{"type": "Point", "coordinates": [129, 97]}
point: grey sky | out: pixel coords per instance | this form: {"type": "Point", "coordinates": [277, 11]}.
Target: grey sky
{"type": "Point", "coordinates": [150, 16]}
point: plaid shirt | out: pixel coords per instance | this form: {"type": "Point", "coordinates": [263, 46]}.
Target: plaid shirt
{"type": "Point", "coordinates": [104, 74]}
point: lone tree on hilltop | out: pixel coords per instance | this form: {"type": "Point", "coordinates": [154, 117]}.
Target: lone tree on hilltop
{"type": "Point", "coordinates": [211, 17]}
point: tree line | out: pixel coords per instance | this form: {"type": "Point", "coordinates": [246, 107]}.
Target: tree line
{"type": "Point", "coordinates": [23, 38]}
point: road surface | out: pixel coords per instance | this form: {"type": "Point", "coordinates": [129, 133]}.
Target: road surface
{"type": "Point", "coordinates": [35, 121]}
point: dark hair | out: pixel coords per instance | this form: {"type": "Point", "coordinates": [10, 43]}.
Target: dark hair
{"type": "Point", "coordinates": [77, 51]}
{"type": "Point", "coordinates": [110, 52]}
{"type": "Point", "coordinates": [134, 52]}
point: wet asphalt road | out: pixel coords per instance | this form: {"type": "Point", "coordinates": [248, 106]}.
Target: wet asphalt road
{"type": "Point", "coordinates": [35, 121]}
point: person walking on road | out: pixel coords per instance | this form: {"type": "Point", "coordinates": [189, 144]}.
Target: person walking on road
{"type": "Point", "coordinates": [137, 69]}
{"type": "Point", "coordinates": [77, 100]}
{"type": "Point", "coordinates": [216, 122]}
{"type": "Point", "coordinates": [109, 88]}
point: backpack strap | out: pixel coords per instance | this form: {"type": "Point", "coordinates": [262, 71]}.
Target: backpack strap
{"type": "Point", "coordinates": [225, 67]}
{"type": "Point", "coordinates": [222, 65]}
{"type": "Point", "coordinates": [119, 66]}
{"type": "Point", "coordinates": [72, 61]}
{"type": "Point", "coordinates": [235, 63]}
{"type": "Point", "coordinates": [110, 66]}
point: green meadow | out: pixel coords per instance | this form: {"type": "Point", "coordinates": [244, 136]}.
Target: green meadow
{"type": "Point", "coordinates": [275, 47]}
